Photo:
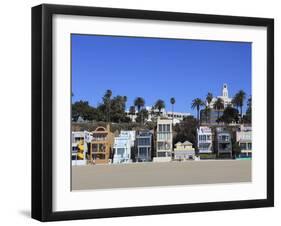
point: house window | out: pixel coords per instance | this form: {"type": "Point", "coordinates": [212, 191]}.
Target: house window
{"type": "Point", "coordinates": [168, 128]}
{"type": "Point", "coordinates": [121, 151]}
{"type": "Point", "coordinates": [202, 137]}
{"type": "Point", "coordinates": [98, 156]}
{"type": "Point", "coordinates": [94, 147]}
{"type": "Point", "coordinates": [224, 147]}
{"type": "Point", "coordinates": [164, 128]}
{"type": "Point", "coordinates": [204, 146]}
{"type": "Point", "coordinates": [224, 138]}
{"type": "Point", "coordinates": [98, 147]}
{"type": "Point", "coordinates": [74, 157]}
{"type": "Point", "coordinates": [143, 141]}
{"type": "Point", "coordinates": [143, 152]}
{"type": "Point", "coordinates": [249, 146]}
{"type": "Point", "coordinates": [243, 146]}
{"type": "Point", "coordinates": [163, 146]}
{"type": "Point", "coordinates": [99, 137]}
{"type": "Point", "coordinates": [164, 136]}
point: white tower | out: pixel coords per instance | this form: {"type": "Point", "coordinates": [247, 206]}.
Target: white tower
{"type": "Point", "coordinates": [225, 91]}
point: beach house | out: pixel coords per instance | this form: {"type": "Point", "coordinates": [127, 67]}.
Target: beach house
{"type": "Point", "coordinates": [79, 140]}
{"type": "Point", "coordinates": [204, 140]}
{"type": "Point", "coordinates": [244, 139]}
{"type": "Point", "coordinates": [164, 140]}
{"type": "Point", "coordinates": [184, 151]}
{"type": "Point", "coordinates": [223, 143]}
{"type": "Point", "coordinates": [101, 145]}
{"type": "Point", "coordinates": [143, 146]}
{"type": "Point", "coordinates": [122, 147]}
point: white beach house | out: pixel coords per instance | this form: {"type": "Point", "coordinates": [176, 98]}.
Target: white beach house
{"type": "Point", "coordinates": [204, 140]}
{"type": "Point", "coordinates": [123, 145]}
{"type": "Point", "coordinates": [80, 140]}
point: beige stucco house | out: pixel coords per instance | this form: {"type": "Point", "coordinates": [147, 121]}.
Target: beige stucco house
{"type": "Point", "coordinates": [184, 151]}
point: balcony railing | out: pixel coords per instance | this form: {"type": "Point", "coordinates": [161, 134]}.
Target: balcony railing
{"type": "Point", "coordinates": [222, 140]}
{"type": "Point", "coordinates": [99, 139]}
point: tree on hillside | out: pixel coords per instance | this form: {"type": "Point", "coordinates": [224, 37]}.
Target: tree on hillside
{"type": "Point", "coordinates": [107, 103]}
{"type": "Point", "coordinates": [239, 100]}
{"type": "Point", "coordinates": [142, 116]}
{"type": "Point", "coordinates": [173, 101]}
{"type": "Point", "coordinates": [218, 105]}
{"type": "Point", "coordinates": [235, 102]}
{"type": "Point", "coordinates": [206, 112]}
{"type": "Point", "coordinates": [207, 109]}
{"type": "Point", "coordinates": [82, 109]}
{"type": "Point", "coordinates": [209, 98]}
{"type": "Point", "coordinates": [160, 104]}
{"type": "Point", "coordinates": [112, 109]}
{"type": "Point", "coordinates": [230, 115]}
{"type": "Point", "coordinates": [125, 98]}
{"type": "Point", "coordinates": [132, 110]}
{"type": "Point", "coordinates": [139, 103]}
{"type": "Point", "coordinates": [236, 148]}
{"type": "Point", "coordinates": [196, 104]}
{"type": "Point", "coordinates": [153, 113]}
{"type": "Point", "coordinates": [186, 130]}
{"type": "Point", "coordinates": [118, 110]}
{"type": "Point", "coordinates": [248, 116]}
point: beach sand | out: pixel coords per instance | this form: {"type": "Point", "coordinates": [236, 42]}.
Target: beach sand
{"type": "Point", "coordinates": [160, 174]}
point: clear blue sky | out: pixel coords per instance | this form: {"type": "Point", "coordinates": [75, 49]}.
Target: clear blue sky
{"type": "Point", "coordinates": [157, 69]}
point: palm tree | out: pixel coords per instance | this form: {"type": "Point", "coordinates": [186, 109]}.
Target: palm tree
{"type": "Point", "coordinates": [235, 102]}
{"type": "Point", "coordinates": [197, 103]}
{"type": "Point", "coordinates": [107, 102]}
{"type": "Point", "coordinates": [152, 110]}
{"type": "Point", "coordinates": [207, 110]}
{"type": "Point", "coordinates": [248, 115]}
{"type": "Point", "coordinates": [209, 98]}
{"type": "Point", "coordinates": [172, 101]}
{"type": "Point", "coordinates": [241, 95]}
{"type": "Point", "coordinates": [132, 110]}
{"type": "Point", "coordinates": [218, 105]}
{"type": "Point", "coordinates": [108, 94]}
{"type": "Point", "coordinates": [124, 101]}
{"type": "Point", "coordinates": [160, 104]}
{"type": "Point", "coordinates": [139, 103]}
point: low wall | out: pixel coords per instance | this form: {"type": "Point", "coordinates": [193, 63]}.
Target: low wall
{"type": "Point", "coordinates": [162, 159]}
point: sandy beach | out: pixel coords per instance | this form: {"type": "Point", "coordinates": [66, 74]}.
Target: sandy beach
{"type": "Point", "coordinates": [160, 174]}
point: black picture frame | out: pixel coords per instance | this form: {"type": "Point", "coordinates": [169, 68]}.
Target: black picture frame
{"type": "Point", "coordinates": [42, 111]}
